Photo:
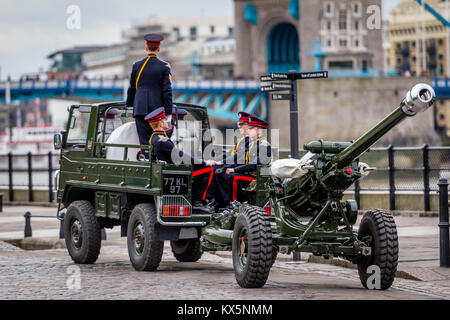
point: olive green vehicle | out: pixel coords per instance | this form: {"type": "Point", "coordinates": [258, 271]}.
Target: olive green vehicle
{"type": "Point", "coordinates": [294, 205]}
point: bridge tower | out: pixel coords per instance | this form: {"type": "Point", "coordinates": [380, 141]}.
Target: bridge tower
{"type": "Point", "coordinates": [278, 35]}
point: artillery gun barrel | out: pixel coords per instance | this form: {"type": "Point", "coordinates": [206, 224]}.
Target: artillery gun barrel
{"type": "Point", "coordinates": [418, 99]}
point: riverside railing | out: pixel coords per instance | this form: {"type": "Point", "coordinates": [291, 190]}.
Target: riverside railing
{"type": "Point", "coordinates": [28, 171]}
{"type": "Point", "coordinates": [399, 169]}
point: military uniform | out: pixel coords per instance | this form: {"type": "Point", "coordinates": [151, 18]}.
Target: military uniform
{"type": "Point", "coordinates": [164, 149]}
{"type": "Point", "coordinates": [150, 88]}
{"type": "Point", "coordinates": [259, 153]}
{"type": "Point", "coordinates": [238, 154]}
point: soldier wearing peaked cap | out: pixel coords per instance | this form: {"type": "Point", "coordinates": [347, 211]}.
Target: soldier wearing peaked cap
{"type": "Point", "coordinates": [236, 156]}
{"type": "Point", "coordinates": [150, 87]}
{"type": "Point", "coordinates": [239, 151]}
{"type": "Point", "coordinates": [259, 152]}
{"type": "Point", "coordinates": [164, 150]}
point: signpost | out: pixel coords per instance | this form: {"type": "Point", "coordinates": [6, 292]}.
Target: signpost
{"type": "Point", "coordinates": [269, 84]}
{"type": "Point", "coordinates": [281, 96]}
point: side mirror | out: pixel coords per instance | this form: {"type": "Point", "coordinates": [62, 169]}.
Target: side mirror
{"type": "Point", "coordinates": [57, 141]}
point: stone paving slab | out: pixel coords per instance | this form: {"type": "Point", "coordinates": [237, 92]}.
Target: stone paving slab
{"type": "Point", "coordinates": [48, 274]}
{"type": "Point", "coordinates": [418, 240]}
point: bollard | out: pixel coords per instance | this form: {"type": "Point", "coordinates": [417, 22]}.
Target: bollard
{"type": "Point", "coordinates": [27, 231]}
{"type": "Point", "coordinates": [61, 226]}
{"type": "Point", "coordinates": [1, 202]}
{"type": "Point", "coordinates": [444, 224]}
{"type": "Point", "coordinates": [103, 234]}
{"type": "Point", "coordinates": [296, 256]}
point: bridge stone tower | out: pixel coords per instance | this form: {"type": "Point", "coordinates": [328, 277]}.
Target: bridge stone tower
{"type": "Point", "coordinates": [281, 35]}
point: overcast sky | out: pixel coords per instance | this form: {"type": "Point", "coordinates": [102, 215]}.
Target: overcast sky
{"type": "Point", "coordinates": [32, 29]}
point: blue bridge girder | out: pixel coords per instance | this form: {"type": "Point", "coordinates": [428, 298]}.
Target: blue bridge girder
{"type": "Point", "coordinates": [436, 14]}
{"type": "Point", "coordinates": [442, 87]}
{"type": "Point", "coordinates": [223, 98]}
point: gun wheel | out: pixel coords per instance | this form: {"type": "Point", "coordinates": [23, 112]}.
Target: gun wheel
{"type": "Point", "coordinates": [82, 232]}
{"type": "Point", "coordinates": [186, 250]}
{"type": "Point", "coordinates": [252, 247]}
{"type": "Point", "coordinates": [144, 249]}
{"type": "Point", "coordinates": [378, 230]}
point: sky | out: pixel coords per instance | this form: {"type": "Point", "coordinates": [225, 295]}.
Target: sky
{"type": "Point", "coordinates": [32, 29]}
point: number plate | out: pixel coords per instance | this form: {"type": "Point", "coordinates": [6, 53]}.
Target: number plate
{"type": "Point", "coordinates": [175, 184]}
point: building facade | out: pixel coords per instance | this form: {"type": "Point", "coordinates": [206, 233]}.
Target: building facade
{"type": "Point", "coordinates": [105, 63]}
{"type": "Point", "coordinates": [307, 35]}
{"type": "Point", "coordinates": [68, 63]}
{"type": "Point", "coordinates": [183, 36]}
{"type": "Point", "coordinates": [418, 45]}
{"type": "Point", "coordinates": [418, 41]}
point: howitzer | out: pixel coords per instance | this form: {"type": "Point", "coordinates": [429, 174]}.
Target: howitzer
{"type": "Point", "coordinates": [330, 168]}
{"type": "Point", "coordinates": [306, 212]}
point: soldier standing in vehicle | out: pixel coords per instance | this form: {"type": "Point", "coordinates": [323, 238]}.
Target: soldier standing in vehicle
{"type": "Point", "coordinates": [165, 150]}
{"type": "Point", "coordinates": [150, 88]}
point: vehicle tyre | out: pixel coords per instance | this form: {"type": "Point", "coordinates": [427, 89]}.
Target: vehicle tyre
{"type": "Point", "coordinates": [378, 229]}
{"type": "Point", "coordinates": [252, 247]}
{"type": "Point", "coordinates": [144, 249]}
{"type": "Point", "coordinates": [186, 250]}
{"type": "Point", "coordinates": [82, 232]}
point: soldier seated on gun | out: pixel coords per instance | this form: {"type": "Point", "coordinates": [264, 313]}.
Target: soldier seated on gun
{"type": "Point", "coordinates": [233, 158]}
{"type": "Point", "coordinates": [165, 150]}
{"type": "Point", "coordinates": [259, 153]}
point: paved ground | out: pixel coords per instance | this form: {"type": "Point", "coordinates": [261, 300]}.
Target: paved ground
{"type": "Point", "coordinates": [50, 274]}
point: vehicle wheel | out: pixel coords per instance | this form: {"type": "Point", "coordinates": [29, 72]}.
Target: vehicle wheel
{"type": "Point", "coordinates": [252, 247]}
{"type": "Point", "coordinates": [82, 232]}
{"type": "Point", "coordinates": [378, 230]}
{"type": "Point", "coordinates": [144, 250]}
{"type": "Point", "coordinates": [187, 250]}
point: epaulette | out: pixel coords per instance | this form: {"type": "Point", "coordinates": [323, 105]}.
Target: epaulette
{"type": "Point", "coordinates": [163, 138]}
{"type": "Point", "coordinates": [264, 143]}
{"type": "Point", "coordinates": [166, 63]}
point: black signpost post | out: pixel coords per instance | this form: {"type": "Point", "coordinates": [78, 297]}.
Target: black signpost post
{"type": "Point", "coordinates": [269, 84]}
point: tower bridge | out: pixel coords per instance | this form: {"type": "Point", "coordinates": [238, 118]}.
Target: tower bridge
{"type": "Point", "coordinates": [223, 98]}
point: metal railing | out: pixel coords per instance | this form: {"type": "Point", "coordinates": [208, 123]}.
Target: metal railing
{"type": "Point", "coordinates": [413, 169]}
{"type": "Point", "coordinates": [28, 171]}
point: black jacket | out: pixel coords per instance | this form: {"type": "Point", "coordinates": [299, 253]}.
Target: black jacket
{"type": "Point", "coordinates": [259, 153]}
{"type": "Point", "coordinates": [150, 86]}
{"type": "Point", "coordinates": [165, 150]}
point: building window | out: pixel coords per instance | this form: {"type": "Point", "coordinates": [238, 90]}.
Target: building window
{"type": "Point", "coordinates": [329, 25]}
{"type": "Point", "coordinates": [356, 43]}
{"type": "Point", "coordinates": [356, 25]}
{"type": "Point", "coordinates": [176, 30]}
{"type": "Point", "coordinates": [212, 29]}
{"type": "Point", "coordinates": [230, 31]}
{"type": "Point", "coordinates": [340, 64]}
{"type": "Point", "coordinates": [329, 9]}
{"type": "Point", "coordinates": [357, 9]}
{"type": "Point", "coordinates": [193, 33]}
{"type": "Point", "coordinates": [441, 42]}
{"type": "Point", "coordinates": [342, 20]}
{"type": "Point", "coordinates": [343, 43]}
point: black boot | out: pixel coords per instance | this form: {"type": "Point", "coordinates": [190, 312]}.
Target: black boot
{"type": "Point", "coordinates": [199, 206]}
